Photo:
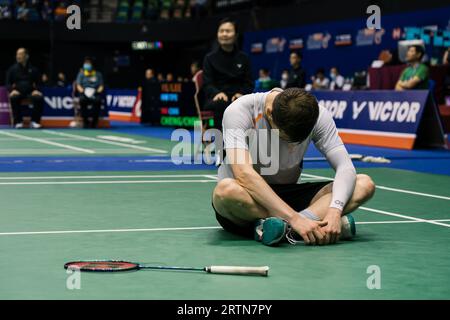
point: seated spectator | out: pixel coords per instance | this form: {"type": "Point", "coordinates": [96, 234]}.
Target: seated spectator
{"type": "Point", "coordinates": [170, 77]}
{"type": "Point", "coordinates": [90, 87]}
{"type": "Point", "coordinates": [226, 72]}
{"type": "Point", "coordinates": [416, 75]}
{"type": "Point", "coordinates": [264, 82]}
{"type": "Point", "coordinates": [22, 83]}
{"type": "Point", "coordinates": [320, 82]}
{"type": "Point", "coordinates": [61, 81]}
{"type": "Point", "coordinates": [5, 11]}
{"type": "Point", "coordinates": [297, 75]}
{"type": "Point", "coordinates": [389, 57]}
{"type": "Point", "coordinates": [337, 81]}
{"type": "Point", "coordinates": [198, 8]}
{"type": "Point", "coordinates": [150, 95]}
{"type": "Point", "coordinates": [45, 80]}
{"type": "Point", "coordinates": [284, 79]}
{"type": "Point", "coordinates": [160, 78]}
{"type": "Point", "coordinates": [22, 11]}
{"type": "Point", "coordinates": [46, 11]}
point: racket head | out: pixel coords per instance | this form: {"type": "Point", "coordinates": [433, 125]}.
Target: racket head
{"type": "Point", "coordinates": [101, 265]}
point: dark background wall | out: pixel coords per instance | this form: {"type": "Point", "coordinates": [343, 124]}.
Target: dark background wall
{"type": "Point", "coordinates": [54, 48]}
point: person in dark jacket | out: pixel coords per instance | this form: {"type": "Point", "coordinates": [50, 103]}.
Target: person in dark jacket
{"type": "Point", "coordinates": [150, 94]}
{"type": "Point", "coordinates": [226, 72]}
{"type": "Point", "coordinates": [22, 82]}
{"type": "Point", "coordinates": [297, 76]}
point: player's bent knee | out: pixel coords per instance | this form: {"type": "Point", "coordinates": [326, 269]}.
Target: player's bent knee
{"type": "Point", "coordinates": [227, 189]}
{"type": "Point", "coordinates": [365, 188]}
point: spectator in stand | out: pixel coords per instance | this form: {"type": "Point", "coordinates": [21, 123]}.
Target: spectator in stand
{"type": "Point", "coordinates": [198, 8]}
{"type": "Point", "coordinates": [297, 76]}
{"type": "Point", "coordinates": [45, 80]}
{"type": "Point", "coordinates": [61, 80]}
{"type": "Point", "coordinates": [160, 78]}
{"type": "Point", "coordinates": [226, 72]}
{"type": "Point", "coordinates": [284, 79]}
{"type": "Point", "coordinates": [264, 82]}
{"type": "Point", "coordinates": [46, 11]}
{"type": "Point", "coordinates": [320, 82]}
{"type": "Point", "coordinates": [22, 82]}
{"type": "Point", "coordinates": [337, 81]}
{"type": "Point", "coordinates": [22, 10]}
{"type": "Point", "coordinates": [416, 75]}
{"type": "Point", "coordinates": [170, 77]}
{"type": "Point", "coordinates": [5, 11]}
{"type": "Point", "coordinates": [150, 93]}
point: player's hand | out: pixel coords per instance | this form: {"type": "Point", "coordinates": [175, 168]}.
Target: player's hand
{"type": "Point", "coordinates": [14, 93]}
{"type": "Point", "coordinates": [236, 96]}
{"type": "Point", "coordinates": [309, 230]}
{"type": "Point", "coordinates": [221, 96]}
{"type": "Point", "coordinates": [333, 227]}
{"type": "Point", "coordinates": [36, 93]}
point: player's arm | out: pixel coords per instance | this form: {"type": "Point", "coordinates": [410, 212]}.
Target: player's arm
{"type": "Point", "coordinates": [262, 193]}
{"type": "Point", "coordinates": [327, 140]}
{"type": "Point", "coordinates": [343, 187]}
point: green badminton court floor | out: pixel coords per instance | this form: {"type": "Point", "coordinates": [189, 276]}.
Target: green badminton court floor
{"type": "Point", "coordinates": [165, 218]}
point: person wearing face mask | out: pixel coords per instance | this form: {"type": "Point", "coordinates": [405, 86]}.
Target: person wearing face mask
{"type": "Point", "coordinates": [90, 87]}
{"type": "Point", "coordinates": [284, 79]}
{"type": "Point", "coordinates": [337, 81]}
{"type": "Point", "coordinates": [226, 72]}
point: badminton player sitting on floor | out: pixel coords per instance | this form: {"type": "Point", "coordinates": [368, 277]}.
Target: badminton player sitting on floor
{"type": "Point", "coordinates": [275, 207]}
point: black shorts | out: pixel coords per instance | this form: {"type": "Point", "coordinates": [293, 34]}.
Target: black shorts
{"type": "Point", "coordinates": [297, 196]}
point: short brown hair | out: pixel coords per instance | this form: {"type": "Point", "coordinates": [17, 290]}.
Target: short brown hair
{"type": "Point", "coordinates": [295, 112]}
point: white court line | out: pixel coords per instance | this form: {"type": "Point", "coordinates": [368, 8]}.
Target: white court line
{"type": "Point", "coordinates": [100, 182]}
{"type": "Point", "coordinates": [392, 214]}
{"type": "Point", "coordinates": [168, 229]}
{"type": "Point", "coordinates": [400, 221]}
{"type": "Point", "coordinates": [105, 141]}
{"type": "Point", "coordinates": [108, 177]}
{"type": "Point", "coordinates": [106, 230]}
{"type": "Point", "coordinates": [50, 139]}
{"type": "Point", "coordinates": [388, 188]}
{"type": "Point", "coordinates": [47, 142]}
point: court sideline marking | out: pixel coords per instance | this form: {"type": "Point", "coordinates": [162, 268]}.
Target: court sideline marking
{"type": "Point", "coordinates": [174, 229]}
{"type": "Point", "coordinates": [388, 188]}
{"type": "Point", "coordinates": [66, 146]}
{"type": "Point", "coordinates": [105, 141]}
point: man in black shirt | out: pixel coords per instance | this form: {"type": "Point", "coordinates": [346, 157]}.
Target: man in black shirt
{"type": "Point", "coordinates": [22, 83]}
{"type": "Point", "coordinates": [297, 76]}
{"type": "Point", "coordinates": [150, 95]}
{"type": "Point", "coordinates": [226, 72]}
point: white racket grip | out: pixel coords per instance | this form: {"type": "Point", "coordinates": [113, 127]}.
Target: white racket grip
{"type": "Point", "coordinates": [262, 271]}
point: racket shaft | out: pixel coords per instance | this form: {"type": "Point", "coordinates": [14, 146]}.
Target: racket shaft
{"type": "Point", "coordinates": [262, 271]}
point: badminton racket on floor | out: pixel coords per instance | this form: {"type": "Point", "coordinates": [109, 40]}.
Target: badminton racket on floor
{"type": "Point", "coordinates": [114, 266]}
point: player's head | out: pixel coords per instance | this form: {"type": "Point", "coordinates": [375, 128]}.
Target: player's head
{"type": "Point", "coordinates": [294, 112]}
{"type": "Point", "coordinates": [415, 53]}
